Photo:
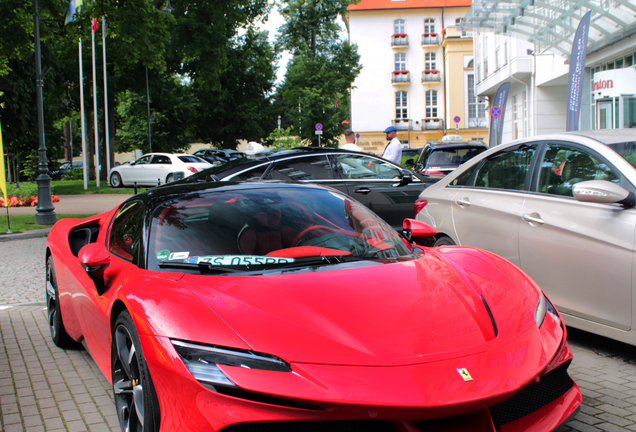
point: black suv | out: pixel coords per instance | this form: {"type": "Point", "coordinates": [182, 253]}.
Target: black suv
{"type": "Point", "coordinates": [438, 160]}
{"type": "Point", "coordinates": [387, 189]}
{"type": "Point", "coordinates": [215, 156]}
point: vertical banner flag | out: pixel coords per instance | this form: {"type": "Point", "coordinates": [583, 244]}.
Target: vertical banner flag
{"type": "Point", "coordinates": [3, 180]}
{"type": "Point", "coordinates": [575, 78]}
{"type": "Point", "coordinates": [73, 8]}
{"type": "Point", "coordinates": [496, 124]}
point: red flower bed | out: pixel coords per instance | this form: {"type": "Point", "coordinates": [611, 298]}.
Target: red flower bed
{"type": "Point", "coordinates": [30, 201]}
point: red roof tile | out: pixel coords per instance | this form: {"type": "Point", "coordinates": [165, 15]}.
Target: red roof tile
{"type": "Point", "coordinates": [407, 4]}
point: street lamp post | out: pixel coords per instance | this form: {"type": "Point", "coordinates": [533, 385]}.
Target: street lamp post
{"type": "Point", "coordinates": [44, 211]}
{"type": "Point", "coordinates": [279, 122]}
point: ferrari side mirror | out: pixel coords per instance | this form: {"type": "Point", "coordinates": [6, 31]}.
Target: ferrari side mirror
{"type": "Point", "coordinates": [95, 259]}
{"type": "Point", "coordinates": [418, 232]}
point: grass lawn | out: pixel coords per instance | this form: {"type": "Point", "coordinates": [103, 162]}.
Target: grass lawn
{"type": "Point", "coordinates": [76, 187]}
{"type": "Point", "coordinates": [27, 222]}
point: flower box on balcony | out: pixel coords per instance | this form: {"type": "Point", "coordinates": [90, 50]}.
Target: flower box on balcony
{"type": "Point", "coordinates": [399, 35]}
{"type": "Point", "coordinates": [400, 72]}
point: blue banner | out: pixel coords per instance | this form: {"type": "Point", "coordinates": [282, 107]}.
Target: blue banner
{"type": "Point", "coordinates": [496, 123]}
{"type": "Point", "coordinates": [575, 78]}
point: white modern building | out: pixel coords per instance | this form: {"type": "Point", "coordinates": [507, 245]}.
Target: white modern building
{"type": "Point", "coordinates": [417, 72]}
{"type": "Point", "coordinates": [528, 44]}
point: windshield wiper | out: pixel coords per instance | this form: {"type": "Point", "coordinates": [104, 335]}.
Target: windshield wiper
{"type": "Point", "coordinates": [202, 267]}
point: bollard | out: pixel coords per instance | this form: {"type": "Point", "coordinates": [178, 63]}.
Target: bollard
{"type": "Point", "coordinates": [135, 188]}
{"type": "Point", "coordinates": [158, 182]}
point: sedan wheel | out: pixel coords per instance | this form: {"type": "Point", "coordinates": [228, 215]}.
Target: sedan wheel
{"type": "Point", "coordinates": [115, 180]}
{"type": "Point", "coordinates": [135, 398]}
{"type": "Point", "coordinates": [170, 178]}
{"type": "Point", "coordinates": [56, 325]}
{"type": "Point", "coordinates": [444, 241]}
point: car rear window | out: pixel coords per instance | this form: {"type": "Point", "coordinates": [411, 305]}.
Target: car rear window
{"type": "Point", "coordinates": [190, 159]}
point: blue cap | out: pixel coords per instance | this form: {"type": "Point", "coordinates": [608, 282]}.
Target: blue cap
{"type": "Point", "coordinates": [390, 129]}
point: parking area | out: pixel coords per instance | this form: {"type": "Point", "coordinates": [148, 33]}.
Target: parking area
{"type": "Point", "coordinates": [44, 388]}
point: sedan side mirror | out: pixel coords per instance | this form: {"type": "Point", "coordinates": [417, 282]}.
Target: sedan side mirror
{"type": "Point", "coordinates": [418, 232]}
{"type": "Point", "coordinates": [603, 192]}
{"type": "Point", "coordinates": [409, 163]}
{"type": "Point", "coordinates": [406, 178]}
{"type": "Point", "coordinates": [95, 259]}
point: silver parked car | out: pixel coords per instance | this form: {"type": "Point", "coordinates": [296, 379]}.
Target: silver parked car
{"type": "Point", "coordinates": [559, 206]}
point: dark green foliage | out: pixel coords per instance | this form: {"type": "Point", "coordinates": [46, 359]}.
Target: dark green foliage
{"type": "Point", "coordinates": [323, 67]}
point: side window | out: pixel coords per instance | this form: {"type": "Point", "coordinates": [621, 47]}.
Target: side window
{"type": "Point", "coordinates": [160, 159]}
{"type": "Point", "coordinates": [253, 174]}
{"type": "Point", "coordinates": [506, 169]}
{"type": "Point", "coordinates": [304, 168]}
{"type": "Point", "coordinates": [563, 166]}
{"type": "Point", "coordinates": [465, 178]}
{"type": "Point", "coordinates": [365, 167]}
{"type": "Point", "coordinates": [143, 160]}
{"type": "Point", "coordinates": [126, 233]}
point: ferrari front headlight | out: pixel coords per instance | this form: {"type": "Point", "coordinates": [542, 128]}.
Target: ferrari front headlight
{"type": "Point", "coordinates": [202, 361]}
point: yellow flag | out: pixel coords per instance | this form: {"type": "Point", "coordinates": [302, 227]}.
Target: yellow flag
{"type": "Point", "coordinates": [3, 179]}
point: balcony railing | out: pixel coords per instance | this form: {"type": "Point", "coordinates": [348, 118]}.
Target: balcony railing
{"type": "Point", "coordinates": [399, 40]}
{"type": "Point", "coordinates": [430, 75]}
{"type": "Point", "coordinates": [400, 77]}
{"type": "Point", "coordinates": [401, 124]}
{"type": "Point", "coordinates": [430, 39]}
{"type": "Point", "coordinates": [432, 124]}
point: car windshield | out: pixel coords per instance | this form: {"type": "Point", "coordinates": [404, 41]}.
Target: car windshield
{"type": "Point", "coordinates": [627, 150]}
{"type": "Point", "coordinates": [267, 227]}
{"type": "Point", "coordinates": [452, 157]}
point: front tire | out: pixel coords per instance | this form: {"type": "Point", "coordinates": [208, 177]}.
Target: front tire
{"type": "Point", "coordinates": [54, 313]}
{"type": "Point", "coordinates": [115, 180]}
{"type": "Point", "coordinates": [135, 397]}
{"type": "Point", "coordinates": [444, 241]}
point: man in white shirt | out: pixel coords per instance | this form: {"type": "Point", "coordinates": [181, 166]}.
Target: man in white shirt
{"type": "Point", "coordinates": [350, 137]}
{"type": "Point", "coordinates": [393, 150]}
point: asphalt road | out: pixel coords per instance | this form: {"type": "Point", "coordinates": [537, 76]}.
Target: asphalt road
{"type": "Point", "coordinates": [44, 388]}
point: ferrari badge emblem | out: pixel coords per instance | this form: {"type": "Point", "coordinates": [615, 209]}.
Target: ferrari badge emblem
{"type": "Point", "coordinates": [464, 373]}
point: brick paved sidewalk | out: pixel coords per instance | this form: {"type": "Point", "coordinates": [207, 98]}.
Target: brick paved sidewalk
{"type": "Point", "coordinates": [45, 388]}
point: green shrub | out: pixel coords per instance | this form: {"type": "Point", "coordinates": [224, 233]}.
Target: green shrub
{"type": "Point", "coordinates": [74, 174]}
{"type": "Point", "coordinates": [27, 189]}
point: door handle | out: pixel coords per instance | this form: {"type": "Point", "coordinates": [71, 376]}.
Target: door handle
{"type": "Point", "coordinates": [463, 202]}
{"type": "Point", "coordinates": [363, 191]}
{"type": "Point", "coordinates": [533, 218]}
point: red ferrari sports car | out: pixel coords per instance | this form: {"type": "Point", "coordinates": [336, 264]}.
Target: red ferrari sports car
{"type": "Point", "coordinates": [285, 307]}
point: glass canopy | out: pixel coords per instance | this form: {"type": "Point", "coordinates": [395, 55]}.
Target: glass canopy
{"type": "Point", "coordinates": [552, 23]}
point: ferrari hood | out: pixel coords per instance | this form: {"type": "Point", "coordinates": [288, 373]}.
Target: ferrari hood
{"type": "Point", "coordinates": [381, 315]}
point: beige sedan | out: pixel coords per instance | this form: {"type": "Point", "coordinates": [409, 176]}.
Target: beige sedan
{"type": "Point", "coordinates": [559, 206]}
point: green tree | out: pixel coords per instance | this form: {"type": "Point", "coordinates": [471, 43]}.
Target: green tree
{"type": "Point", "coordinates": [322, 68]}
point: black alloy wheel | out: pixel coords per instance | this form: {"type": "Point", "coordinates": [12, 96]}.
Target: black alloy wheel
{"type": "Point", "coordinates": [54, 314]}
{"type": "Point", "coordinates": [115, 180]}
{"type": "Point", "coordinates": [135, 397]}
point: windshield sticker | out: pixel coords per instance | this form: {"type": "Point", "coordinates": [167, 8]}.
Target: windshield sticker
{"type": "Point", "coordinates": [163, 255]}
{"type": "Point", "coordinates": [179, 255]}
{"type": "Point", "coordinates": [239, 260]}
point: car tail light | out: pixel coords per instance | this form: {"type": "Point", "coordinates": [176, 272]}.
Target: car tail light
{"type": "Point", "coordinates": [419, 205]}
{"type": "Point", "coordinates": [192, 169]}
{"type": "Point", "coordinates": [432, 172]}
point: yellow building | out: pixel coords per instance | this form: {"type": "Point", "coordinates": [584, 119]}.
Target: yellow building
{"type": "Point", "coordinates": [417, 73]}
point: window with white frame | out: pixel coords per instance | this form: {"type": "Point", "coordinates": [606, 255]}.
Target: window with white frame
{"type": "Point", "coordinates": [497, 58]}
{"type": "Point", "coordinates": [429, 26]}
{"type": "Point", "coordinates": [431, 104]}
{"type": "Point", "coordinates": [401, 105]}
{"type": "Point", "coordinates": [400, 62]}
{"type": "Point", "coordinates": [430, 63]}
{"type": "Point", "coordinates": [399, 26]}
{"type": "Point", "coordinates": [485, 56]}
{"type": "Point", "coordinates": [517, 117]}
{"type": "Point", "coordinates": [476, 106]}
{"type": "Point", "coordinates": [505, 53]}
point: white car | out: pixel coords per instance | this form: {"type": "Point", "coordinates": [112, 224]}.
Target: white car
{"type": "Point", "coordinates": [562, 207]}
{"type": "Point", "coordinates": [154, 169]}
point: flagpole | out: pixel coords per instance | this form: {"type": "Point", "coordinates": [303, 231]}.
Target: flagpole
{"type": "Point", "coordinates": [82, 117]}
{"type": "Point", "coordinates": [95, 127]}
{"type": "Point", "coordinates": [105, 98]}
